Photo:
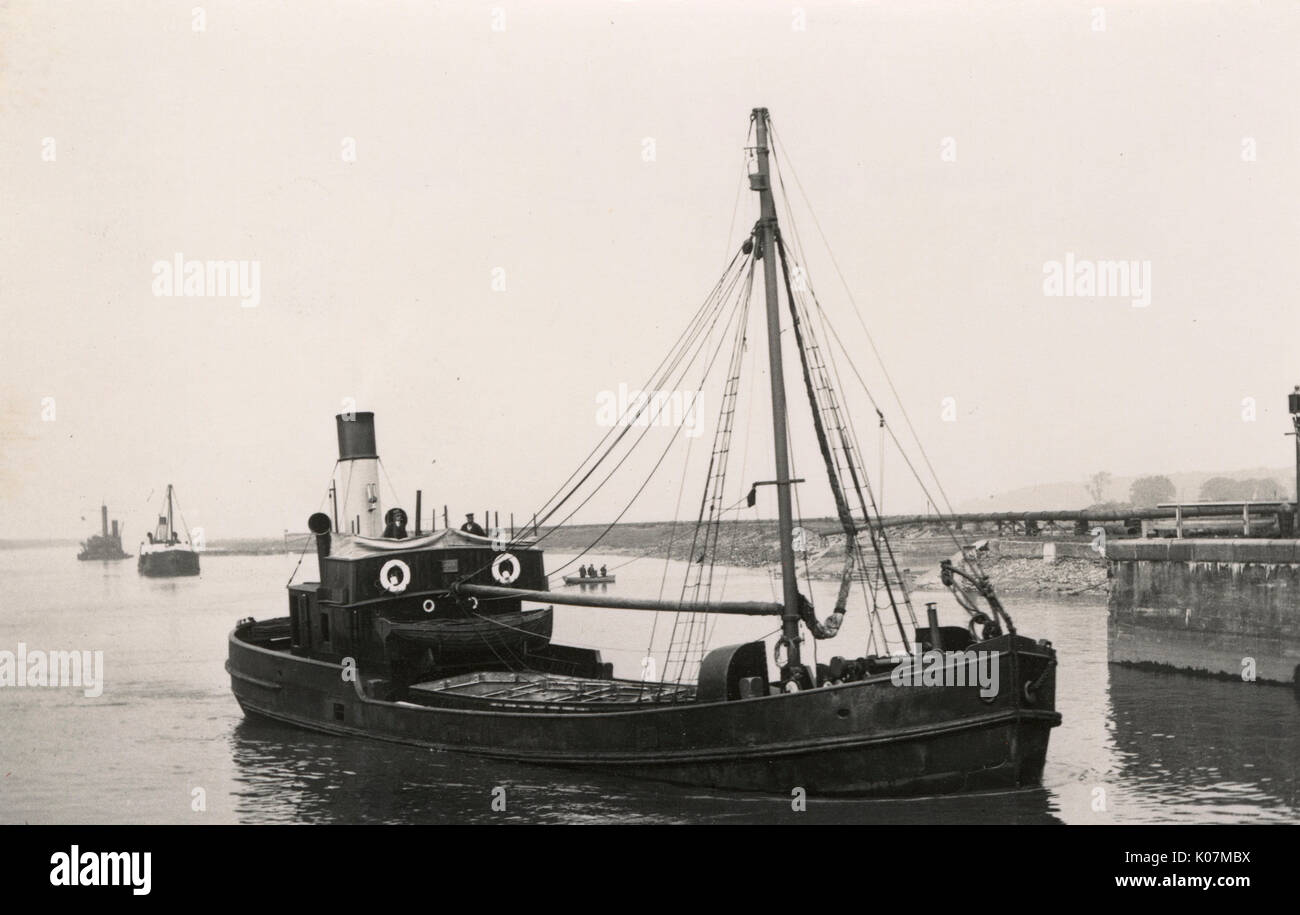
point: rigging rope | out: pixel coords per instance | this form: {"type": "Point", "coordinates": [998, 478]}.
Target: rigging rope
{"type": "Point", "coordinates": [699, 349]}
{"type": "Point", "coordinates": [878, 532]}
{"type": "Point", "coordinates": [307, 543]}
{"type": "Point", "coordinates": [712, 303]}
{"type": "Point", "coordinates": [974, 562]}
{"type": "Point", "coordinates": [688, 638]}
{"type": "Point", "coordinates": [599, 486]}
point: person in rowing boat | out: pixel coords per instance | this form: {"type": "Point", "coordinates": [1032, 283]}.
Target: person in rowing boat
{"type": "Point", "coordinates": [471, 526]}
{"type": "Point", "coordinates": [582, 571]}
{"type": "Point", "coordinates": [603, 573]}
{"type": "Point", "coordinates": [395, 524]}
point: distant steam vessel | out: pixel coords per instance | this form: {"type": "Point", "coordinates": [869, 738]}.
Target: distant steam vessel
{"type": "Point", "coordinates": [105, 545]}
{"type": "Point", "coordinates": [164, 555]}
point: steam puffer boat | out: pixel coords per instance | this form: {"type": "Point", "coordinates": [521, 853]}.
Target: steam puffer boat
{"type": "Point", "coordinates": [164, 554]}
{"type": "Point", "coordinates": [106, 545]}
{"type": "Point", "coordinates": [433, 640]}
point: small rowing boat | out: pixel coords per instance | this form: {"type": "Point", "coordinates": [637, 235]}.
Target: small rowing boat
{"type": "Point", "coordinates": [588, 579]}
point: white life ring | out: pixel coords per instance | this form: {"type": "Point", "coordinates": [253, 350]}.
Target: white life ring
{"type": "Point", "coordinates": [503, 573]}
{"type": "Point", "coordinates": [395, 587]}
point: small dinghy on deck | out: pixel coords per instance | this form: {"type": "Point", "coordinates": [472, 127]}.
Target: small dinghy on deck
{"type": "Point", "coordinates": [474, 638]}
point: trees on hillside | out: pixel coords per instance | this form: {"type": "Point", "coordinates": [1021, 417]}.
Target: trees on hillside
{"type": "Point", "coordinates": [1225, 489]}
{"type": "Point", "coordinates": [1148, 492]}
{"type": "Point", "coordinates": [1268, 488]}
{"type": "Point", "coordinates": [1097, 484]}
{"type": "Point", "coordinates": [1221, 489]}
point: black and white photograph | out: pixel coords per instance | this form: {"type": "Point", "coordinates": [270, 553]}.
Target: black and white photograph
{"type": "Point", "coordinates": [651, 412]}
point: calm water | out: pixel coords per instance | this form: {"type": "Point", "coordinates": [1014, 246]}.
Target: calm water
{"type": "Point", "coordinates": [1135, 747]}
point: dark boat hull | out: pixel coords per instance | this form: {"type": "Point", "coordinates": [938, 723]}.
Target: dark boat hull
{"type": "Point", "coordinates": [866, 738]}
{"type": "Point", "coordinates": [168, 563]}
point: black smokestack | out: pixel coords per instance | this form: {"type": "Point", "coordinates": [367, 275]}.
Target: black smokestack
{"type": "Point", "coordinates": [356, 436]}
{"type": "Point", "coordinates": [114, 530]}
{"type": "Point", "coordinates": [103, 519]}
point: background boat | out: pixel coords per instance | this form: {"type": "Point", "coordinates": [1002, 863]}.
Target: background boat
{"type": "Point", "coordinates": [164, 554]}
{"type": "Point", "coordinates": [107, 545]}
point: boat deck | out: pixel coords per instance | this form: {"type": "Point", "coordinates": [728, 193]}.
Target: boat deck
{"type": "Point", "coordinates": [529, 687]}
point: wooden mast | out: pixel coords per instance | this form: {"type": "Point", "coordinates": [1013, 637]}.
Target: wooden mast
{"type": "Point", "coordinates": [762, 183]}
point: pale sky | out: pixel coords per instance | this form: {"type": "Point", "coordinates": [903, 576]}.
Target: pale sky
{"type": "Point", "coordinates": [949, 151]}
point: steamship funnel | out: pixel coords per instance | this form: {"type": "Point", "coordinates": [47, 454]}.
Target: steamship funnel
{"type": "Point", "coordinates": [361, 480]}
{"type": "Point", "coordinates": [356, 436]}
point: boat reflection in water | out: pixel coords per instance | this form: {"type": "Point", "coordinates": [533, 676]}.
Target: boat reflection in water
{"type": "Point", "coordinates": [1231, 749]}
{"type": "Point", "coordinates": [1181, 749]}
{"type": "Point", "coordinates": [284, 775]}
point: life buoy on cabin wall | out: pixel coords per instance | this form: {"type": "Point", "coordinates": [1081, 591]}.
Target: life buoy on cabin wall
{"type": "Point", "coordinates": [505, 568]}
{"type": "Point", "coordinates": [395, 576]}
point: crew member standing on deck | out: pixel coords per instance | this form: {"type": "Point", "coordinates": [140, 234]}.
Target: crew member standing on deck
{"type": "Point", "coordinates": [395, 524]}
{"type": "Point", "coordinates": [471, 526]}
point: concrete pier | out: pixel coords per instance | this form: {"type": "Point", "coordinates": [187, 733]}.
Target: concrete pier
{"type": "Point", "coordinates": [1216, 606]}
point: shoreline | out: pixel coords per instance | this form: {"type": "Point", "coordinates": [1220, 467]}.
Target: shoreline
{"type": "Point", "coordinates": [1015, 566]}
{"type": "Point", "coordinates": [1064, 567]}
